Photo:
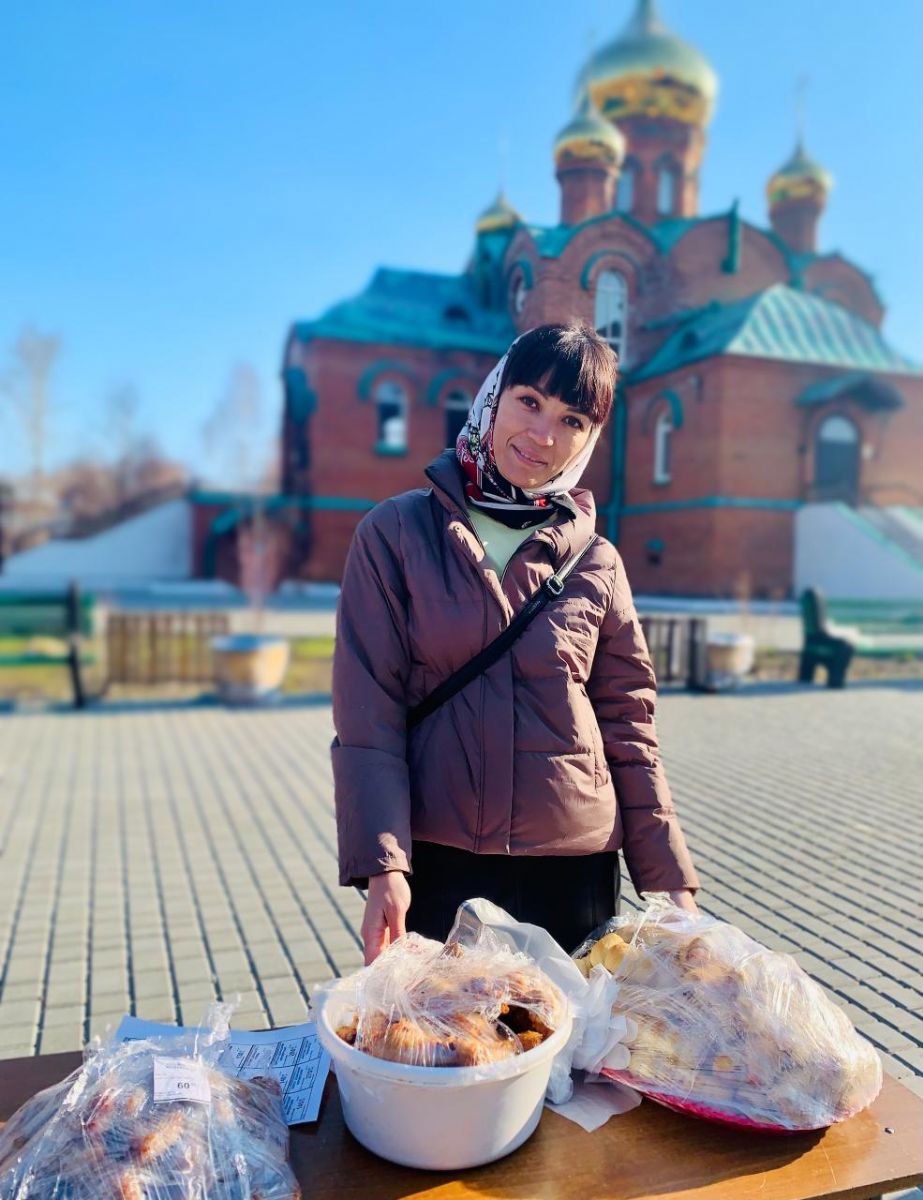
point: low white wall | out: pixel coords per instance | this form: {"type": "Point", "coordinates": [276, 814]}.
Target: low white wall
{"type": "Point", "coordinates": [843, 556]}
{"type": "Point", "coordinates": [155, 545]}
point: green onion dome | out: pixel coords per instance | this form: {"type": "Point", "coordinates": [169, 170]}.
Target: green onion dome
{"type": "Point", "coordinates": [588, 138]}
{"type": "Point", "coordinates": [499, 215]}
{"type": "Point", "coordinates": [649, 71]}
{"type": "Point", "coordinates": [801, 178]}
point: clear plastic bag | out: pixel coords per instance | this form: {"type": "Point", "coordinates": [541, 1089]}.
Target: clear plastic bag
{"type": "Point", "coordinates": [724, 1028]}
{"type": "Point", "coordinates": [107, 1132]}
{"type": "Point", "coordinates": [463, 1004]}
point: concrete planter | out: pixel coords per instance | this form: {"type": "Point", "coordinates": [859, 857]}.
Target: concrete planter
{"type": "Point", "coordinates": [728, 657]}
{"type": "Point", "coordinates": [249, 668]}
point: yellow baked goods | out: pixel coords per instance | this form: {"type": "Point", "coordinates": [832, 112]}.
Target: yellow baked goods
{"type": "Point", "coordinates": [430, 1005]}
{"type": "Point", "coordinates": [723, 1027]}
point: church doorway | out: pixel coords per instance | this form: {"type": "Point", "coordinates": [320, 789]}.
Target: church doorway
{"type": "Point", "coordinates": [836, 460]}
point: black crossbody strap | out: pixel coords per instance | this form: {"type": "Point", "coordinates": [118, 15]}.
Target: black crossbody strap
{"type": "Point", "coordinates": [552, 587]}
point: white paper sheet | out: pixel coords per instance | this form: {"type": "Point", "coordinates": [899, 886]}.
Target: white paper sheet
{"type": "Point", "coordinates": [595, 1100]}
{"type": "Point", "coordinates": [292, 1056]}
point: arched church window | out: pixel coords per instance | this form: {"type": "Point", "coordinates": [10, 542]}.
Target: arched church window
{"type": "Point", "coordinates": [666, 189]}
{"type": "Point", "coordinates": [836, 459]}
{"type": "Point", "coordinates": [457, 407]}
{"type": "Point", "coordinates": [625, 191]}
{"type": "Point", "coordinates": [520, 292]}
{"type": "Point", "coordinates": [611, 316]}
{"type": "Point", "coordinates": [391, 407]}
{"type": "Point", "coordinates": [663, 437]}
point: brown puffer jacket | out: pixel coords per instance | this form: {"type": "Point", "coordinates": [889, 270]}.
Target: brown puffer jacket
{"type": "Point", "coordinates": [523, 760]}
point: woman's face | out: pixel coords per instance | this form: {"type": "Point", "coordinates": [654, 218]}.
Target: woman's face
{"type": "Point", "coordinates": [536, 436]}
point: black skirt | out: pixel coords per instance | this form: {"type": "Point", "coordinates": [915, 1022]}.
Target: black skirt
{"type": "Point", "coordinates": [567, 895]}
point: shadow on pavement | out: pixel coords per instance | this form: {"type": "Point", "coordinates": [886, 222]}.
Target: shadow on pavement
{"type": "Point", "coordinates": [757, 690]}
{"type": "Point", "coordinates": [168, 704]}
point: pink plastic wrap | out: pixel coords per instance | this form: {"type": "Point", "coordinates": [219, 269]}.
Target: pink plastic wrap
{"type": "Point", "coordinates": [103, 1134]}
{"type": "Point", "coordinates": [721, 1027]}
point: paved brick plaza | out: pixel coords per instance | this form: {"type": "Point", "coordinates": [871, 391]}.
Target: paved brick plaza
{"type": "Point", "coordinates": [156, 855]}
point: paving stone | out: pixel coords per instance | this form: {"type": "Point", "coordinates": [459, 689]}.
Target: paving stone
{"type": "Point", "coordinates": [274, 989]}
{"type": "Point", "coordinates": [786, 846]}
{"type": "Point", "coordinates": [912, 1055]}
{"type": "Point", "coordinates": [57, 1040]}
{"type": "Point", "coordinates": [18, 1012]}
{"type": "Point", "coordinates": [27, 990]}
{"type": "Point", "coordinates": [108, 980]}
{"type": "Point", "coordinates": [58, 1018]}
{"type": "Point", "coordinates": [20, 1048]}
{"type": "Point", "coordinates": [199, 989]}
{"type": "Point", "coordinates": [256, 1021]}
{"type": "Point", "coordinates": [289, 1012]}
{"type": "Point", "coordinates": [235, 981]}
{"type": "Point", "coordinates": [192, 970]}
{"type": "Point", "coordinates": [23, 970]}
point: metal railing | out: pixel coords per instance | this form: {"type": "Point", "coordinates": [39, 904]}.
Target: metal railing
{"type": "Point", "coordinates": [677, 648]}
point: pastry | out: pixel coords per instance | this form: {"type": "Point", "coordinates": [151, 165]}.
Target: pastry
{"type": "Point", "coordinates": [451, 1006]}
{"type": "Point", "coordinates": [100, 1135]}
{"type": "Point", "coordinates": [721, 1023]}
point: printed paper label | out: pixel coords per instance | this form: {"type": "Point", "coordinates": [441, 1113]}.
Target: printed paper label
{"type": "Point", "coordinates": [292, 1056]}
{"type": "Point", "coordinates": [180, 1079]}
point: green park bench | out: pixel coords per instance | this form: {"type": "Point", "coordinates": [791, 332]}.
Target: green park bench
{"type": "Point", "coordinates": [66, 617]}
{"type": "Point", "coordinates": [834, 634]}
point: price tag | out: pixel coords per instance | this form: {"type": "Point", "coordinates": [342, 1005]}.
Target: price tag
{"type": "Point", "coordinates": [180, 1079]}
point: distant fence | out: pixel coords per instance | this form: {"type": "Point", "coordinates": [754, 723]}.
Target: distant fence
{"type": "Point", "coordinates": [162, 647]}
{"type": "Point", "coordinates": [175, 647]}
{"type": "Point", "coordinates": [677, 648]}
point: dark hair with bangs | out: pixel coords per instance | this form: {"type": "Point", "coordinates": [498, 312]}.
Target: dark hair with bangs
{"type": "Point", "coordinates": [571, 362]}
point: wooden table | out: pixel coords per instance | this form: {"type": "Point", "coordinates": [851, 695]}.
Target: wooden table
{"type": "Point", "coordinates": [644, 1154]}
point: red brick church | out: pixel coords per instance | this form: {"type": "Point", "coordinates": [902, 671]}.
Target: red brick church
{"type": "Point", "coordinates": [755, 379]}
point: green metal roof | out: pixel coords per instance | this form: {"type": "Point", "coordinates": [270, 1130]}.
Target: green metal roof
{"type": "Point", "coordinates": [780, 323]}
{"type": "Point", "coordinates": [415, 308]}
{"type": "Point", "coordinates": [667, 233]}
{"type": "Point", "coordinates": [873, 393]}
{"type": "Point", "coordinates": [552, 240]}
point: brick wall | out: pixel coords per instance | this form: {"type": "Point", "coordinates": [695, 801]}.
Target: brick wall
{"type": "Point", "coordinates": [586, 191]}
{"type": "Point", "coordinates": [343, 432]}
{"type": "Point", "coordinates": [742, 437]}
{"type": "Point", "coordinates": [838, 280]}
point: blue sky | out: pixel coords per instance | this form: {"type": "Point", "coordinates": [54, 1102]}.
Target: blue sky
{"type": "Point", "coordinates": [184, 180]}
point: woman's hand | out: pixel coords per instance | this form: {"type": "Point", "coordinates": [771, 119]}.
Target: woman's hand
{"type": "Point", "coordinates": [385, 912]}
{"type": "Point", "coordinates": [685, 900]}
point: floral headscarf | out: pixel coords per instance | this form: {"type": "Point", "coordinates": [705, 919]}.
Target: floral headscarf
{"type": "Point", "coordinates": [486, 488]}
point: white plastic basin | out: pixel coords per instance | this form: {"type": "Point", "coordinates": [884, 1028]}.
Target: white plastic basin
{"type": "Point", "coordinates": [436, 1117]}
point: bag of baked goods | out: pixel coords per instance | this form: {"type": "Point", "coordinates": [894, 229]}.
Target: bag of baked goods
{"type": "Point", "coordinates": [151, 1120]}
{"type": "Point", "coordinates": [723, 1028]}
{"type": "Point", "coordinates": [426, 1004]}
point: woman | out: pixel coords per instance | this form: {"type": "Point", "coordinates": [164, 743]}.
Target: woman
{"type": "Point", "coordinates": [525, 784]}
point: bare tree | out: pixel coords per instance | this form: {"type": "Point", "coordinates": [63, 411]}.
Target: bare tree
{"type": "Point", "coordinates": [122, 405]}
{"type": "Point", "coordinates": [230, 433]}
{"type": "Point", "coordinates": [232, 444]}
{"type": "Point", "coordinates": [86, 488]}
{"type": "Point", "coordinates": [27, 383]}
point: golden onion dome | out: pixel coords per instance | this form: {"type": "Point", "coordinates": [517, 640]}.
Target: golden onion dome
{"type": "Point", "coordinates": [588, 138]}
{"type": "Point", "coordinates": [801, 178]}
{"type": "Point", "coordinates": [499, 215]}
{"type": "Point", "coordinates": [649, 71]}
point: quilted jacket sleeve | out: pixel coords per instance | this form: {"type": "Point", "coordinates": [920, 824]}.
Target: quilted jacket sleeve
{"type": "Point", "coordinates": [623, 691]}
{"type": "Point", "coordinates": [370, 670]}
